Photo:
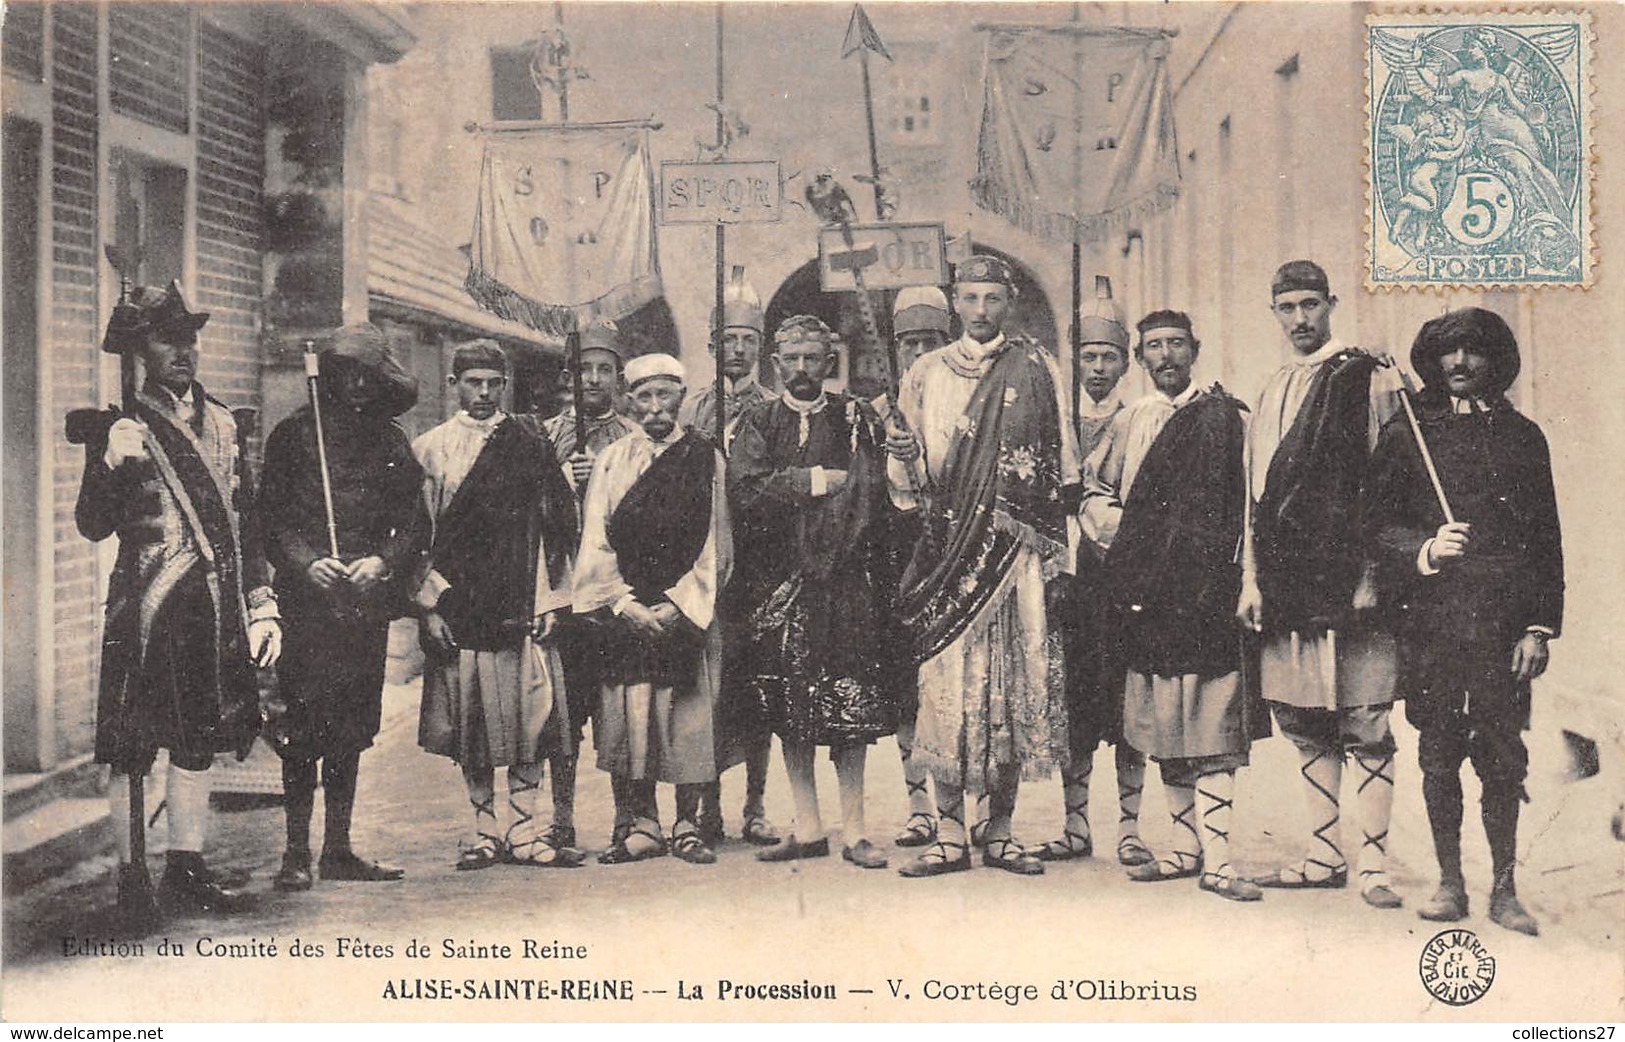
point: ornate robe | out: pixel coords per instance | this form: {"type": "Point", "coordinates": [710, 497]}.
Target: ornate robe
{"type": "Point", "coordinates": [997, 452]}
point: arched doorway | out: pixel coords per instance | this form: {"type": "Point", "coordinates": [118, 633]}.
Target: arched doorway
{"type": "Point", "coordinates": [864, 370]}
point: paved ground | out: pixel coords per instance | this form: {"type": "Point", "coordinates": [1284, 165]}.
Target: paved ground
{"type": "Point", "coordinates": [1294, 956]}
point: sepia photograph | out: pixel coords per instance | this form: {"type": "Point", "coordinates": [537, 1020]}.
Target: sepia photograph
{"type": "Point", "coordinates": [1095, 512]}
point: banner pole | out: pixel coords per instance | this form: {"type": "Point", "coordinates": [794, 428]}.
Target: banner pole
{"type": "Point", "coordinates": [719, 323]}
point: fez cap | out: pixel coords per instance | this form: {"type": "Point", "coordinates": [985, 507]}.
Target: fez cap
{"type": "Point", "coordinates": [479, 354]}
{"type": "Point", "coordinates": [1476, 329]}
{"type": "Point", "coordinates": [984, 268]}
{"type": "Point", "coordinates": [656, 365]}
{"type": "Point", "coordinates": [801, 328]}
{"type": "Point", "coordinates": [602, 335]}
{"type": "Point", "coordinates": [919, 308]}
{"type": "Point", "coordinates": [364, 344]}
{"type": "Point", "coordinates": [1102, 321]}
{"type": "Point", "coordinates": [1165, 319]}
{"type": "Point", "coordinates": [1299, 275]}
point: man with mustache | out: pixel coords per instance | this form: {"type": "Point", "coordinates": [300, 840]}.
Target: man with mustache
{"type": "Point", "coordinates": [807, 485]}
{"type": "Point", "coordinates": [1327, 662]}
{"type": "Point", "coordinates": [1164, 503]}
{"type": "Point", "coordinates": [338, 608]}
{"type": "Point", "coordinates": [985, 451]}
{"type": "Point", "coordinates": [497, 582]}
{"type": "Point", "coordinates": [747, 736]}
{"type": "Point", "coordinates": [656, 549]}
{"type": "Point", "coordinates": [1094, 674]}
{"type": "Point", "coordinates": [190, 609]}
{"type": "Point", "coordinates": [1478, 597]}
{"type": "Point", "coordinates": [601, 358]}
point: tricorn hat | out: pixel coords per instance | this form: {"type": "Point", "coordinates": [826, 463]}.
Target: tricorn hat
{"type": "Point", "coordinates": [150, 310]}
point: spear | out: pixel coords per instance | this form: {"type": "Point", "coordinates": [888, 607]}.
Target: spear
{"type": "Point", "coordinates": [862, 38]}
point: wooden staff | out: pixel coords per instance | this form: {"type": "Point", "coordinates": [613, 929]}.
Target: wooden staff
{"type": "Point", "coordinates": [312, 374]}
{"type": "Point", "coordinates": [1406, 392]}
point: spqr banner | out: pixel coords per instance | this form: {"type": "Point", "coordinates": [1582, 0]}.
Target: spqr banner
{"type": "Point", "coordinates": [1077, 128]}
{"type": "Point", "coordinates": [564, 225]}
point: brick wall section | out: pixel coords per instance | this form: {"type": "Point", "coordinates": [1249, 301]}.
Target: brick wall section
{"type": "Point", "coordinates": [149, 69]}
{"type": "Point", "coordinates": [230, 211]}
{"type": "Point", "coordinates": [22, 40]}
{"type": "Point", "coordinates": [74, 353]}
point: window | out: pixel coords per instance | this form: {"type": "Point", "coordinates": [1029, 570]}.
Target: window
{"type": "Point", "coordinates": [149, 201]}
{"type": "Point", "coordinates": [513, 90]}
{"type": "Point", "coordinates": [914, 119]}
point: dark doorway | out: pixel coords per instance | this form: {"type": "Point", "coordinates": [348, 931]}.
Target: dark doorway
{"type": "Point", "coordinates": [865, 367]}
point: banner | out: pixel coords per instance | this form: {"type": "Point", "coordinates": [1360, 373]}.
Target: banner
{"type": "Point", "coordinates": [565, 225]}
{"type": "Point", "coordinates": [1077, 129]}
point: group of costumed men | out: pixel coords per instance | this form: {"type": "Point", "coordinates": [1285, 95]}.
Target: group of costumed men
{"type": "Point", "coordinates": [1002, 578]}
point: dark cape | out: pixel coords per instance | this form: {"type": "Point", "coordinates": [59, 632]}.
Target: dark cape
{"type": "Point", "coordinates": [331, 674]}
{"type": "Point", "coordinates": [513, 498]}
{"type": "Point", "coordinates": [1173, 571]}
{"type": "Point", "coordinates": [1000, 490]}
{"type": "Point", "coordinates": [175, 670]}
{"type": "Point", "coordinates": [1456, 629]}
{"type": "Point", "coordinates": [1306, 528]}
{"type": "Point", "coordinates": [657, 532]}
{"type": "Point", "coordinates": [805, 609]}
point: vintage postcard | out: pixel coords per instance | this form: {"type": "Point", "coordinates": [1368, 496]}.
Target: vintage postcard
{"type": "Point", "coordinates": [763, 512]}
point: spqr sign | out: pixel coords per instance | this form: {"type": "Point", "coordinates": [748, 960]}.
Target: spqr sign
{"type": "Point", "coordinates": [719, 193]}
{"type": "Point", "coordinates": [903, 255]}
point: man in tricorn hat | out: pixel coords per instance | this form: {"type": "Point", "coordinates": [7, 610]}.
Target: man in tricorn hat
{"type": "Point", "coordinates": [1327, 658]}
{"type": "Point", "coordinates": [602, 360]}
{"type": "Point", "coordinates": [339, 604]}
{"type": "Point", "coordinates": [656, 549]}
{"type": "Point", "coordinates": [496, 585]}
{"type": "Point", "coordinates": [190, 609]}
{"type": "Point", "coordinates": [1094, 672]}
{"type": "Point", "coordinates": [985, 451]}
{"type": "Point", "coordinates": [742, 323]}
{"type": "Point", "coordinates": [1478, 597]}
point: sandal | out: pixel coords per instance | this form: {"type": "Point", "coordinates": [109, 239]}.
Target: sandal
{"type": "Point", "coordinates": [1132, 852]}
{"type": "Point", "coordinates": [690, 846]}
{"type": "Point", "coordinates": [540, 853]}
{"type": "Point", "coordinates": [560, 836]}
{"type": "Point", "coordinates": [1229, 887]}
{"type": "Point", "coordinates": [978, 834]}
{"type": "Point", "coordinates": [482, 853]}
{"type": "Point", "coordinates": [937, 861]}
{"type": "Point", "coordinates": [920, 829]}
{"type": "Point", "coordinates": [1010, 856]}
{"type": "Point", "coordinates": [621, 854]}
{"type": "Point", "coordinates": [1296, 877]}
{"type": "Point", "coordinates": [759, 830]}
{"type": "Point", "coordinates": [1164, 870]}
{"type": "Point", "coordinates": [1070, 847]}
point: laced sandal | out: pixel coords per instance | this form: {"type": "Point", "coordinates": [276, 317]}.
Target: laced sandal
{"type": "Point", "coordinates": [560, 836]}
{"type": "Point", "coordinates": [690, 846]}
{"type": "Point", "coordinates": [539, 853]}
{"type": "Point", "coordinates": [619, 853]}
{"type": "Point", "coordinates": [1132, 852]}
{"type": "Point", "coordinates": [482, 853]}
{"type": "Point", "coordinates": [1229, 887]}
{"type": "Point", "coordinates": [920, 830]}
{"type": "Point", "coordinates": [1167, 869]}
{"type": "Point", "coordinates": [759, 831]}
{"type": "Point", "coordinates": [1297, 877]}
{"type": "Point", "coordinates": [1010, 856]}
{"type": "Point", "coordinates": [978, 834]}
{"type": "Point", "coordinates": [938, 860]}
{"type": "Point", "coordinates": [1070, 847]}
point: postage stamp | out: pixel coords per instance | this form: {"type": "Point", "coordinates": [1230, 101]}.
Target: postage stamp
{"type": "Point", "coordinates": [1478, 144]}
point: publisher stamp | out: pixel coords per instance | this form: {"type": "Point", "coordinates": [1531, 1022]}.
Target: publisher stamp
{"type": "Point", "coordinates": [1456, 968]}
{"type": "Point", "coordinates": [1478, 149]}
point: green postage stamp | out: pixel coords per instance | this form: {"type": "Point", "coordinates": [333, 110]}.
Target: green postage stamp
{"type": "Point", "coordinates": [1479, 134]}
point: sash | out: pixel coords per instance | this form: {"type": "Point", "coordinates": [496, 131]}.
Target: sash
{"type": "Point", "coordinates": [486, 539]}
{"type": "Point", "coordinates": [660, 526]}
{"type": "Point", "coordinates": [201, 488]}
{"type": "Point", "coordinates": [1172, 572]}
{"type": "Point", "coordinates": [1306, 527]}
{"type": "Point", "coordinates": [1001, 490]}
